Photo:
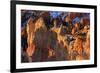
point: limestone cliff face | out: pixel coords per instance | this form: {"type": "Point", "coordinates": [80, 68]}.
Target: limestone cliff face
{"type": "Point", "coordinates": [32, 27]}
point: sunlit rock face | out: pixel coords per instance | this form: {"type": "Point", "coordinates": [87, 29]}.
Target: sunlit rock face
{"type": "Point", "coordinates": [32, 27]}
{"type": "Point", "coordinates": [87, 45]}
{"type": "Point", "coordinates": [49, 38]}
